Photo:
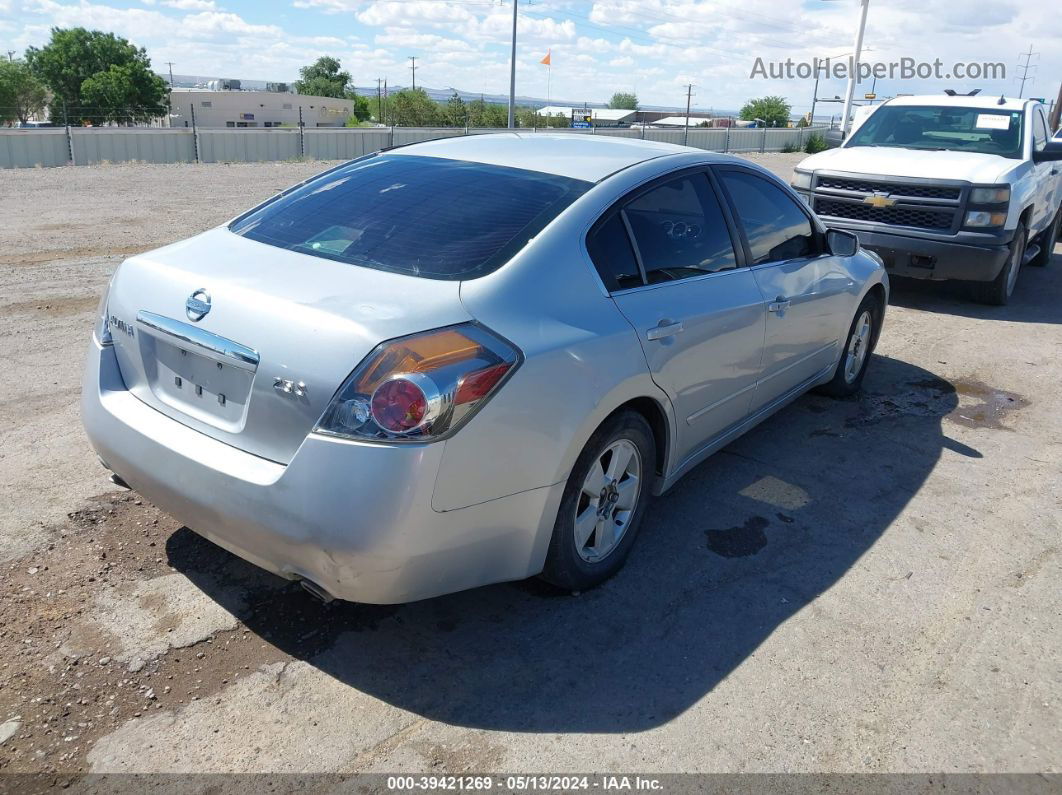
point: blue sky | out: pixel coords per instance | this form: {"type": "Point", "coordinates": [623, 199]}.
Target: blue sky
{"type": "Point", "coordinates": [652, 47]}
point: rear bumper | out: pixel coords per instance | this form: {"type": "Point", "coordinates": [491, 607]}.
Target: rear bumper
{"type": "Point", "coordinates": [354, 518]}
{"type": "Point", "coordinates": [924, 258]}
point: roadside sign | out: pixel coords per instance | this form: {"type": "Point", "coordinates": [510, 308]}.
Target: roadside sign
{"type": "Point", "coordinates": [581, 125]}
{"type": "Point", "coordinates": [870, 96]}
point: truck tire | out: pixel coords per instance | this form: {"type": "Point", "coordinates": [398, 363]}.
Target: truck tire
{"type": "Point", "coordinates": [1047, 242]}
{"type": "Point", "coordinates": [998, 291]}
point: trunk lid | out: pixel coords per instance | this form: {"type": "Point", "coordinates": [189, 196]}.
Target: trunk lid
{"type": "Point", "coordinates": [281, 332]}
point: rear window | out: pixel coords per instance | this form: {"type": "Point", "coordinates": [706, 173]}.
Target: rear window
{"type": "Point", "coordinates": [424, 216]}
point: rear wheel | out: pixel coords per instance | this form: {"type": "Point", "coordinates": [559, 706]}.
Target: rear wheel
{"type": "Point", "coordinates": [848, 377]}
{"type": "Point", "coordinates": [603, 504]}
{"type": "Point", "coordinates": [998, 291]}
{"type": "Point", "coordinates": [1047, 241]}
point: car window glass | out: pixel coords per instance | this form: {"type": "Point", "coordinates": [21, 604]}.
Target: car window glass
{"type": "Point", "coordinates": [1039, 131]}
{"type": "Point", "coordinates": [776, 227]}
{"type": "Point", "coordinates": [680, 230]}
{"type": "Point", "coordinates": [424, 216]}
{"type": "Point", "coordinates": [610, 249]}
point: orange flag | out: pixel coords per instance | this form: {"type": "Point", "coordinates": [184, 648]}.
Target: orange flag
{"type": "Point", "coordinates": [546, 59]}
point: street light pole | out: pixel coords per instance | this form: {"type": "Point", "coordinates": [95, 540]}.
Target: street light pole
{"type": "Point", "coordinates": [854, 75]}
{"type": "Point", "coordinates": [512, 73]}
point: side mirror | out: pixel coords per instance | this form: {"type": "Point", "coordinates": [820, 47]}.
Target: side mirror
{"type": "Point", "coordinates": [841, 243]}
{"type": "Point", "coordinates": [1052, 151]}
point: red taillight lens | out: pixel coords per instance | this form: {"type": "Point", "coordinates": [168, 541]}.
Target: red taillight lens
{"type": "Point", "coordinates": [420, 387]}
{"type": "Point", "coordinates": [399, 405]}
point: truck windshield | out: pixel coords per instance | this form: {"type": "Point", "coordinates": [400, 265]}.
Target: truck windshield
{"type": "Point", "coordinates": [942, 127]}
{"type": "Point", "coordinates": [423, 216]}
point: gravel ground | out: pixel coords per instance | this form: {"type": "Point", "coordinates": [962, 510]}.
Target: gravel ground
{"type": "Point", "coordinates": [861, 586]}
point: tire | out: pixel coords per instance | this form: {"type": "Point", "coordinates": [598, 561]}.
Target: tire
{"type": "Point", "coordinates": [858, 346]}
{"type": "Point", "coordinates": [1047, 242]}
{"type": "Point", "coordinates": [578, 560]}
{"type": "Point", "coordinates": [998, 291]}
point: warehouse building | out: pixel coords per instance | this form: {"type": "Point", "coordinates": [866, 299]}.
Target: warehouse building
{"type": "Point", "coordinates": [255, 109]}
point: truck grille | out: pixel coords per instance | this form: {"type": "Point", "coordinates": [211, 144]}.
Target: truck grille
{"type": "Point", "coordinates": [896, 189]}
{"type": "Point", "coordinates": [894, 216]}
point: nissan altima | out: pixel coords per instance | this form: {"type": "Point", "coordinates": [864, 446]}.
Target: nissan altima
{"type": "Point", "coordinates": [469, 360]}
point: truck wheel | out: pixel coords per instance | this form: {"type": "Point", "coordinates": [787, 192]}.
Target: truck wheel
{"type": "Point", "coordinates": [1047, 242]}
{"type": "Point", "coordinates": [858, 345]}
{"type": "Point", "coordinates": [998, 291]}
{"type": "Point", "coordinates": [603, 504]}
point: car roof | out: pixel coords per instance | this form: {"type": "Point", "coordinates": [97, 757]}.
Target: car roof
{"type": "Point", "coordinates": [575, 155]}
{"type": "Point", "coordinates": [986, 101]}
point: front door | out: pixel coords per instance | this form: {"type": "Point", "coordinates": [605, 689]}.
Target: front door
{"type": "Point", "coordinates": [806, 290]}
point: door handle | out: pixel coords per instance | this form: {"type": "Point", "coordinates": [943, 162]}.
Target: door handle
{"type": "Point", "coordinates": [779, 304]}
{"type": "Point", "coordinates": [662, 331]}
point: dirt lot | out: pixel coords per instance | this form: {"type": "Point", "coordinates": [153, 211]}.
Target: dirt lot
{"type": "Point", "coordinates": [868, 585]}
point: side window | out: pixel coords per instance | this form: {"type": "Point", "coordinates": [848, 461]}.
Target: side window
{"type": "Point", "coordinates": [776, 227]}
{"type": "Point", "coordinates": [1039, 130]}
{"type": "Point", "coordinates": [610, 249]}
{"type": "Point", "coordinates": [680, 230]}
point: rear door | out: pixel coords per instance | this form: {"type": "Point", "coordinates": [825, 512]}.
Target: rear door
{"type": "Point", "coordinates": [806, 289]}
{"type": "Point", "coordinates": [667, 254]}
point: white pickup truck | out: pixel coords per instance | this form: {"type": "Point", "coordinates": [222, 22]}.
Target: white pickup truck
{"type": "Point", "coordinates": [945, 187]}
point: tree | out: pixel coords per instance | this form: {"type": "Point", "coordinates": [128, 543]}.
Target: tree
{"type": "Point", "coordinates": [21, 94]}
{"type": "Point", "coordinates": [455, 111]}
{"type": "Point", "coordinates": [74, 55]}
{"type": "Point", "coordinates": [623, 101]}
{"type": "Point", "coordinates": [485, 114]}
{"type": "Point", "coordinates": [324, 78]}
{"type": "Point", "coordinates": [774, 111]}
{"type": "Point", "coordinates": [414, 108]}
{"type": "Point", "coordinates": [118, 95]}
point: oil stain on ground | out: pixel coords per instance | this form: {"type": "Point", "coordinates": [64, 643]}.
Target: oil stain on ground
{"type": "Point", "coordinates": [741, 541]}
{"type": "Point", "coordinates": [967, 402]}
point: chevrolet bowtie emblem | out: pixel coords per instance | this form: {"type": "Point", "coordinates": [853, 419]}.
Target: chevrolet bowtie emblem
{"type": "Point", "coordinates": [879, 200]}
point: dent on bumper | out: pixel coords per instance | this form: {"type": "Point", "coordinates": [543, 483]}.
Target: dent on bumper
{"type": "Point", "coordinates": [354, 518]}
{"type": "Point", "coordinates": [923, 258]}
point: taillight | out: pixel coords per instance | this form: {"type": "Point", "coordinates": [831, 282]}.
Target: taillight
{"type": "Point", "coordinates": [422, 387]}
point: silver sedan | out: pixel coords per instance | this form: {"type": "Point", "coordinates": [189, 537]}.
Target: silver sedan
{"type": "Point", "coordinates": [469, 360]}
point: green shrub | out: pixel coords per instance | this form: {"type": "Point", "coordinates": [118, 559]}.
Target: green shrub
{"type": "Point", "coordinates": [815, 143]}
{"type": "Point", "coordinates": [790, 148]}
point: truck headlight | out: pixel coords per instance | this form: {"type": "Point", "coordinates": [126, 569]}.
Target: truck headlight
{"type": "Point", "coordinates": [802, 179]}
{"type": "Point", "coordinates": [990, 196]}
{"type": "Point", "coordinates": [982, 218]}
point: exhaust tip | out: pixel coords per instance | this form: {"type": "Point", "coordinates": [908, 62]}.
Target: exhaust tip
{"type": "Point", "coordinates": [316, 591]}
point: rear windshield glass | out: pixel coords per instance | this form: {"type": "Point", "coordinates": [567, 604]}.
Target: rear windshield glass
{"type": "Point", "coordinates": [984, 130]}
{"type": "Point", "coordinates": [425, 216]}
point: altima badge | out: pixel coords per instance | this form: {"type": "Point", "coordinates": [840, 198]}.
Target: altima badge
{"type": "Point", "coordinates": [198, 305]}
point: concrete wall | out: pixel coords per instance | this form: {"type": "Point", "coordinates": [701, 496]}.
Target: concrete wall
{"type": "Point", "coordinates": [52, 146]}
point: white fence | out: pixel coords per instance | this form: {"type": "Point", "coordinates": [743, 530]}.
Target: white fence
{"type": "Point", "coordinates": [56, 146]}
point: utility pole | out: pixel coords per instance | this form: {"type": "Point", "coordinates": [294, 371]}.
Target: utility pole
{"type": "Point", "coordinates": [170, 64]}
{"type": "Point", "coordinates": [686, 126]}
{"type": "Point", "coordinates": [413, 69]}
{"type": "Point", "coordinates": [379, 100]}
{"type": "Point", "coordinates": [11, 55]}
{"type": "Point", "coordinates": [852, 78]}
{"type": "Point", "coordinates": [386, 103]}
{"type": "Point", "coordinates": [1025, 69]}
{"type": "Point", "coordinates": [512, 72]}
{"type": "Point", "coordinates": [1056, 110]}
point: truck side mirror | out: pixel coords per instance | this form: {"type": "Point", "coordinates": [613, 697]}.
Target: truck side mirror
{"type": "Point", "coordinates": [841, 243]}
{"type": "Point", "coordinates": [1052, 151]}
